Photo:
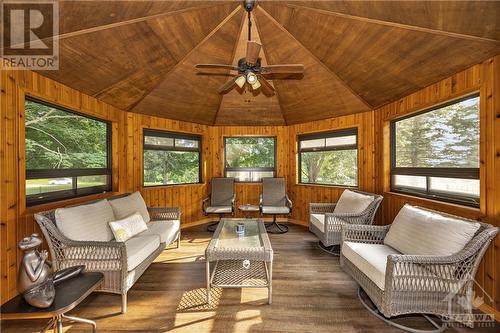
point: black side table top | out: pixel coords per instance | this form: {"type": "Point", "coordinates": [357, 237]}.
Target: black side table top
{"type": "Point", "coordinates": [69, 294]}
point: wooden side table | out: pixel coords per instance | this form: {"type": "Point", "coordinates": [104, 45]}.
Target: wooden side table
{"type": "Point", "coordinates": [248, 209]}
{"type": "Point", "coordinates": [69, 294]}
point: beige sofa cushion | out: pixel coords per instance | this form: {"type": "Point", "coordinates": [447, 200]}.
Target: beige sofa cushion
{"type": "Point", "coordinates": [167, 230]}
{"type": "Point", "coordinates": [318, 220]}
{"type": "Point", "coordinates": [139, 248]}
{"type": "Point", "coordinates": [371, 259]}
{"type": "Point", "coordinates": [420, 232]}
{"type": "Point", "coordinates": [129, 205]}
{"type": "Point", "coordinates": [86, 222]}
{"type": "Point", "coordinates": [352, 202]}
{"type": "Point", "coordinates": [128, 227]}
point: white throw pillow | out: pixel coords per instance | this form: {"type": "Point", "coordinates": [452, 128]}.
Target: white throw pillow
{"type": "Point", "coordinates": [352, 202]}
{"type": "Point", "coordinates": [126, 206]}
{"type": "Point", "coordinates": [86, 222]}
{"type": "Point", "coordinates": [128, 227]}
{"type": "Point", "coordinates": [417, 231]}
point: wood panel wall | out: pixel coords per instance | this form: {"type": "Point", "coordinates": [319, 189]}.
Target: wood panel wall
{"type": "Point", "coordinates": [483, 78]}
{"type": "Point", "coordinates": [246, 193]}
{"type": "Point", "coordinates": [187, 197]}
{"type": "Point", "coordinates": [17, 220]}
{"type": "Point", "coordinates": [302, 194]}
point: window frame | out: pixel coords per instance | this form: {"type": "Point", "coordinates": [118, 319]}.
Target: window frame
{"type": "Point", "coordinates": [172, 135]}
{"type": "Point", "coordinates": [75, 192]}
{"type": "Point", "coordinates": [326, 135]}
{"type": "Point", "coordinates": [428, 172]}
{"type": "Point", "coordinates": [236, 169]}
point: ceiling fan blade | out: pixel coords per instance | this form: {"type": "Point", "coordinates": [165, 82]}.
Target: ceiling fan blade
{"type": "Point", "coordinates": [265, 87]}
{"type": "Point", "coordinates": [227, 86]}
{"type": "Point", "coordinates": [283, 69]}
{"type": "Point", "coordinates": [216, 66]}
{"type": "Point", "coordinates": [253, 50]}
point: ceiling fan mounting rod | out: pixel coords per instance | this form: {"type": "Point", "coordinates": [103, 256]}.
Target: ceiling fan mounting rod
{"type": "Point", "coordinates": [249, 27]}
{"type": "Point", "coordinates": [249, 5]}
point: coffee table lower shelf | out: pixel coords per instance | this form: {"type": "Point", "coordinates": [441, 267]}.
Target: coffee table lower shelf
{"type": "Point", "coordinates": [232, 274]}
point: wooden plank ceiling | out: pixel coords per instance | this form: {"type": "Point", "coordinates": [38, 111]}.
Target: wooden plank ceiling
{"type": "Point", "coordinates": [140, 55]}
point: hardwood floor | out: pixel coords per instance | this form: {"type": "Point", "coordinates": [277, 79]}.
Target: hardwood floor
{"type": "Point", "coordinates": [311, 294]}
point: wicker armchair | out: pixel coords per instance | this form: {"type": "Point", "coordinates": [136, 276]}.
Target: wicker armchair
{"type": "Point", "coordinates": [110, 258]}
{"type": "Point", "coordinates": [421, 284]}
{"type": "Point", "coordinates": [330, 235]}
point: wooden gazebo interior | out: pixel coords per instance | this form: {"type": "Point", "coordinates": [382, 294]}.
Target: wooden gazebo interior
{"type": "Point", "coordinates": [366, 64]}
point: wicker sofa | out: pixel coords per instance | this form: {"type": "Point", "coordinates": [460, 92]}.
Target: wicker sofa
{"type": "Point", "coordinates": [423, 263]}
{"type": "Point", "coordinates": [121, 262]}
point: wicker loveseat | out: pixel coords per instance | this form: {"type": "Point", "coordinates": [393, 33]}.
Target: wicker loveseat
{"type": "Point", "coordinates": [121, 262]}
{"type": "Point", "coordinates": [418, 282]}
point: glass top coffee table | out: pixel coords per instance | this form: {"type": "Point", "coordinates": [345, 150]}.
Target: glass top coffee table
{"type": "Point", "coordinates": [239, 261]}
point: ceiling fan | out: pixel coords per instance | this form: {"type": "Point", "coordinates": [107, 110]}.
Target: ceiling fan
{"type": "Point", "coordinates": [249, 68]}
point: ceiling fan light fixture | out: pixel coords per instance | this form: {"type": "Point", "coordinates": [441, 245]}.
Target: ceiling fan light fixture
{"type": "Point", "coordinates": [240, 81]}
{"type": "Point", "coordinates": [252, 78]}
{"type": "Point", "coordinates": [256, 85]}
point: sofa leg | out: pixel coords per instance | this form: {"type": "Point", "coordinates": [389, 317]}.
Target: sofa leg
{"type": "Point", "coordinates": [374, 311]}
{"type": "Point", "coordinates": [124, 303]}
{"type": "Point", "coordinates": [179, 241]}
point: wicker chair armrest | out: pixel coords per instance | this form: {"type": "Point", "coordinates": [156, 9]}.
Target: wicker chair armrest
{"type": "Point", "coordinates": [96, 256]}
{"type": "Point", "coordinates": [164, 213]}
{"type": "Point", "coordinates": [423, 259]}
{"type": "Point", "coordinates": [350, 215]}
{"type": "Point", "coordinates": [360, 233]}
{"type": "Point", "coordinates": [315, 207]}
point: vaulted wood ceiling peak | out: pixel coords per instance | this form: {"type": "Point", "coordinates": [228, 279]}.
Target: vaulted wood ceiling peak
{"type": "Point", "coordinates": [358, 55]}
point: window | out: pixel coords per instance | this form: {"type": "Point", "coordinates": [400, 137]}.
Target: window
{"type": "Point", "coordinates": [435, 154]}
{"type": "Point", "coordinates": [329, 158]}
{"type": "Point", "coordinates": [249, 159]}
{"type": "Point", "coordinates": [171, 158]}
{"type": "Point", "coordinates": [67, 154]}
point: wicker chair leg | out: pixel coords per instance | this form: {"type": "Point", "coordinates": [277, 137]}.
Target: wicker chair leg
{"type": "Point", "coordinates": [376, 313]}
{"type": "Point", "coordinates": [333, 249]}
{"type": "Point", "coordinates": [124, 303]}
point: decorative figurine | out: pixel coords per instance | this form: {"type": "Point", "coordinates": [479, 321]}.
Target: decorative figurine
{"type": "Point", "coordinates": [34, 280]}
